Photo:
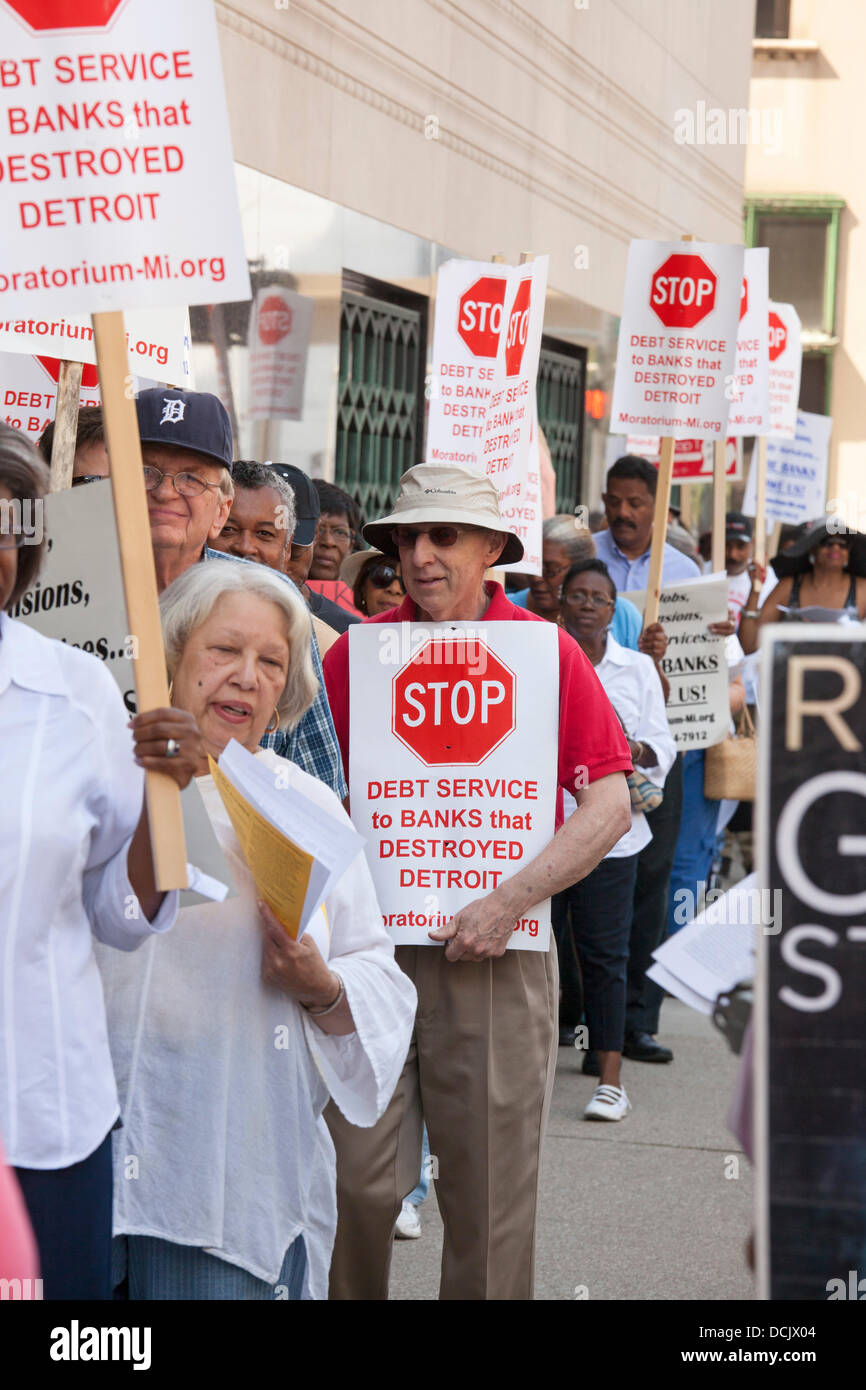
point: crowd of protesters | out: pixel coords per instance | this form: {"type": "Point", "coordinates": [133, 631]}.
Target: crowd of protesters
{"type": "Point", "coordinates": [140, 1042]}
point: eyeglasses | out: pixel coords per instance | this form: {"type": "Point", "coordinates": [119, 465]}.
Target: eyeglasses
{"type": "Point", "coordinates": [187, 484]}
{"type": "Point", "coordinates": [88, 478]}
{"type": "Point", "coordinates": [383, 576]}
{"type": "Point", "coordinates": [442, 537]}
{"type": "Point", "coordinates": [336, 533]}
{"type": "Point", "coordinates": [581, 597]}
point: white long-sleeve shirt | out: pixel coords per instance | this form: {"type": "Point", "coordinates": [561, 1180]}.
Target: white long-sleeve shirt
{"type": "Point", "coordinates": [632, 685]}
{"type": "Point", "coordinates": [71, 800]}
{"type": "Point", "coordinates": [224, 1079]}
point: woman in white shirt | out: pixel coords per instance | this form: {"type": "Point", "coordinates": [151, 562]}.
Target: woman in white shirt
{"type": "Point", "coordinates": [228, 1036]}
{"type": "Point", "coordinates": [600, 905]}
{"type": "Point", "coordinates": [75, 863]}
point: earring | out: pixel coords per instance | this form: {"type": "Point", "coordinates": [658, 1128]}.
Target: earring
{"type": "Point", "coordinates": [272, 729]}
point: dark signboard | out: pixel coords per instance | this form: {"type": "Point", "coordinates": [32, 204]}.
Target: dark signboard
{"type": "Point", "coordinates": [810, 1033]}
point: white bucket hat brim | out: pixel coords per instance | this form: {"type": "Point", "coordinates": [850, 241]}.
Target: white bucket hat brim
{"type": "Point", "coordinates": [431, 494]}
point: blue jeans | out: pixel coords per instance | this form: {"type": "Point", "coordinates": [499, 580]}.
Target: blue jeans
{"type": "Point", "coordinates": [159, 1269]}
{"type": "Point", "coordinates": [70, 1212]}
{"type": "Point", "coordinates": [696, 843]}
{"type": "Point", "coordinates": [419, 1194]}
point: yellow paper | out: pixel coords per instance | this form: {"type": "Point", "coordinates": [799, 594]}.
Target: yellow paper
{"type": "Point", "coordinates": [281, 869]}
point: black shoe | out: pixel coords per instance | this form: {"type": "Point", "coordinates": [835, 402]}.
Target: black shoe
{"type": "Point", "coordinates": [642, 1047]}
{"type": "Point", "coordinates": [566, 1035]}
{"type": "Point", "coordinates": [591, 1065]}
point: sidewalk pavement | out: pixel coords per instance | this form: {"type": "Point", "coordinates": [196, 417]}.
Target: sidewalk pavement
{"type": "Point", "coordinates": [640, 1209]}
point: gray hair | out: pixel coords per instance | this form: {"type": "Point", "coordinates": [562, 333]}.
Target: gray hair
{"type": "Point", "coordinates": [246, 473]}
{"type": "Point", "coordinates": [565, 530]}
{"type": "Point", "coordinates": [189, 602]}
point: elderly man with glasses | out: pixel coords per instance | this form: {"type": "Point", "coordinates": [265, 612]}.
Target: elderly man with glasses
{"type": "Point", "coordinates": [482, 1061]}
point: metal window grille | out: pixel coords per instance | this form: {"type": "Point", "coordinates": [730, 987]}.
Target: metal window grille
{"type": "Point", "coordinates": [561, 391]}
{"type": "Point", "coordinates": [380, 419]}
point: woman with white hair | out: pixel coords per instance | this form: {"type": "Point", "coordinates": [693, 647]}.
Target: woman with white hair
{"type": "Point", "coordinates": [229, 1040]}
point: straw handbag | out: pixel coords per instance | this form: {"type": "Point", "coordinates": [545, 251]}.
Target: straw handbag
{"type": "Point", "coordinates": [730, 770]}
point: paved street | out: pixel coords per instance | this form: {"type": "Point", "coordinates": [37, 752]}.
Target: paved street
{"type": "Point", "coordinates": [636, 1210]}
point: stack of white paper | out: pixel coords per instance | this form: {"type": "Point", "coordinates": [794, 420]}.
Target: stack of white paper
{"type": "Point", "coordinates": [714, 952]}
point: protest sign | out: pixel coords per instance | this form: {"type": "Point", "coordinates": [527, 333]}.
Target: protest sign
{"type": "Point", "coordinates": [693, 458]}
{"type": "Point", "coordinates": [786, 357]}
{"type": "Point", "coordinates": [677, 339]}
{"type": "Point", "coordinates": [796, 486]}
{"type": "Point", "coordinates": [698, 710]}
{"type": "Point", "coordinates": [78, 597]}
{"type": "Point", "coordinates": [749, 388]}
{"type": "Point", "coordinates": [810, 1038]}
{"type": "Point", "coordinates": [29, 391]}
{"type": "Point", "coordinates": [486, 344]}
{"type": "Point", "coordinates": [453, 765]}
{"type": "Point", "coordinates": [116, 159]}
{"type": "Point", "coordinates": [280, 326]}
{"type": "Point", "coordinates": [157, 341]}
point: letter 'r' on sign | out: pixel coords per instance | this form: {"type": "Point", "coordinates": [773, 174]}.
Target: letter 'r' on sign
{"type": "Point", "coordinates": [454, 702]}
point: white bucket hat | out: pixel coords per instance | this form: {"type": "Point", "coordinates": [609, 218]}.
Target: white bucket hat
{"type": "Point", "coordinates": [430, 494]}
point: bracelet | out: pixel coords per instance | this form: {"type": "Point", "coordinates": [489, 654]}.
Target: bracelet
{"type": "Point", "coordinates": [320, 1013]}
{"type": "Point", "coordinates": [750, 613]}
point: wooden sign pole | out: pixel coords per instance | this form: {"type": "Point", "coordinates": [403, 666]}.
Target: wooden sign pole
{"type": "Point", "coordinates": [719, 463]}
{"type": "Point", "coordinates": [65, 425]}
{"type": "Point", "coordinates": [761, 502]}
{"type": "Point", "coordinates": [139, 583]}
{"type": "Point", "coordinates": [660, 523]}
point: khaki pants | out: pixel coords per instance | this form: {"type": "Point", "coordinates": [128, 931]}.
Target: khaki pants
{"type": "Point", "coordinates": [480, 1070]}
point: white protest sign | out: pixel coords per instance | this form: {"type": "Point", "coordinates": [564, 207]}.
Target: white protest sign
{"type": "Point", "coordinates": [677, 338]}
{"type": "Point", "coordinates": [78, 597]}
{"type": "Point", "coordinates": [693, 458]}
{"type": "Point", "coordinates": [786, 358]}
{"type": "Point", "coordinates": [796, 472]}
{"type": "Point", "coordinates": [453, 765]}
{"type": "Point", "coordinates": [157, 340]}
{"type": "Point", "coordinates": [486, 344]}
{"type": "Point", "coordinates": [698, 709]}
{"type": "Point", "coordinates": [28, 390]}
{"type": "Point", "coordinates": [749, 390]}
{"type": "Point", "coordinates": [116, 158]}
{"type": "Point", "coordinates": [280, 326]}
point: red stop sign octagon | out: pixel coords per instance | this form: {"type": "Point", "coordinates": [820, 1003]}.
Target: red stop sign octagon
{"type": "Point", "coordinates": [275, 319]}
{"type": "Point", "coordinates": [744, 299]}
{"type": "Point", "coordinates": [683, 291]}
{"type": "Point", "coordinates": [479, 315]}
{"type": "Point", "coordinates": [518, 329]}
{"type": "Point", "coordinates": [89, 372]}
{"type": "Point", "coordinates": [454, 702]}
{"type": "Point", "coordinates": [66, 14]}
{"type": "Point", "coordinates": [778, 336]}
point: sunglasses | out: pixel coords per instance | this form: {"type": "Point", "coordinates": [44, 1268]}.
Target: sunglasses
{"type": "Point", "coordinates": [383, 576]}
{"type": "Point", "coordinates": [443, 537]}
{"type": "Point", "coordinates": [834, 540]}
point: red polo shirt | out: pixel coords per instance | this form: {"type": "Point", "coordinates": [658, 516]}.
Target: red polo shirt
{"type": "Point", "coordinates": [590, 735]}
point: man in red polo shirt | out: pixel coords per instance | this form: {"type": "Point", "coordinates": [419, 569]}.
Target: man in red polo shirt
{"type": "Point", "coordinates": [481, 1064]}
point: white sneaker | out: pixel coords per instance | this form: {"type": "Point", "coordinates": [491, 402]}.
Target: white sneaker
{"type": "Point", "coordinates": [608, 1103]}
{"type": "Point", "coordinates": [408, 1223]}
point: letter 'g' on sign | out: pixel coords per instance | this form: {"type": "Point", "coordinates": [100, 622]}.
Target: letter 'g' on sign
{"type": "Point", "coordinates": [454, 702]}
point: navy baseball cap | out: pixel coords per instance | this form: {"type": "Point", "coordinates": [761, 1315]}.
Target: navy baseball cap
{"type": "Point", "coordinates": [737, 527]}
{"type": "Point", "coordinates": [307, 505]}
{"type": "Point", "coordinates": [193, 420]}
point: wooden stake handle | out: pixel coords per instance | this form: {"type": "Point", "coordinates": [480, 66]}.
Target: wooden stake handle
{"type": "Point", "coordinates": [139, 583]}
{"type": "Point", "coordinates": [761, 503]}
{"type": "Point", "coordinates": [65, 425]}
{"type": "Point", "coordinates": [660, 526]}
{"type": "Point", "coordinates": [719, 461]}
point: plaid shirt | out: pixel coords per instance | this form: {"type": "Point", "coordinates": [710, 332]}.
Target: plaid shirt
{"type": "Point", "coordinates": [312, 744]}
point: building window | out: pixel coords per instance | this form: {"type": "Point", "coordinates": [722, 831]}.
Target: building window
{"type": "Point", "coordinates": [560, 391]}
{"type": "Point", "coordinates": [380, 415]}
{"type": "Point", "coordinates": [773, 19]}
{"type": "Point", "coordinates": [803, 238]}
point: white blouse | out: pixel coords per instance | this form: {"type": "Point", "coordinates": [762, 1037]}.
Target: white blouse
{"type": "Point", "coordinates": [223, 1078]}
{"type": "Point", "coordinates": [632, 685]}
{"type": "Point", "coordinates": [71, 800]}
